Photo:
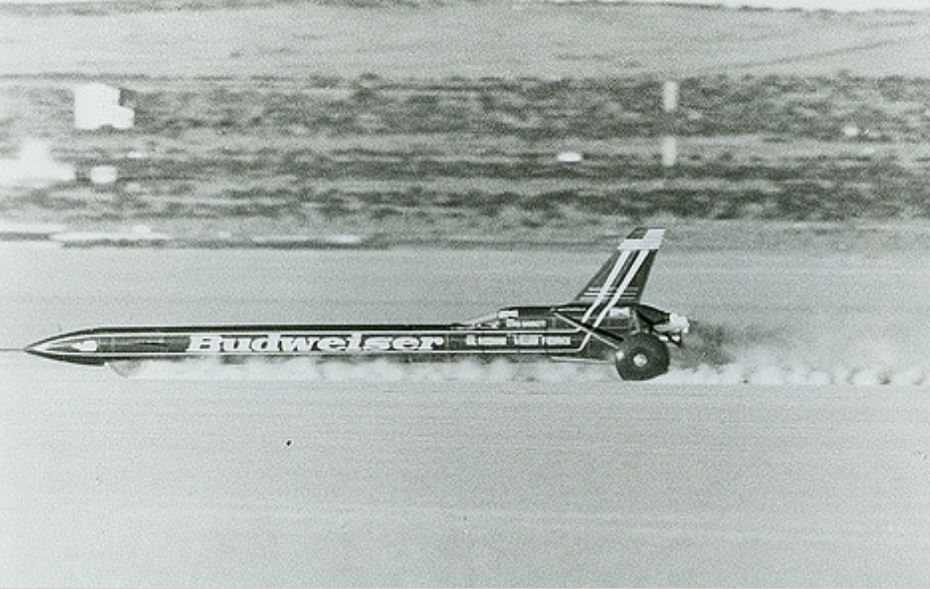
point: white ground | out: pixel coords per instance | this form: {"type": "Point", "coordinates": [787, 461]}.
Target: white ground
{"type": "Point", "coordinates": [472, 40]}
{"type": "Point", "coordinates": [468, 478]}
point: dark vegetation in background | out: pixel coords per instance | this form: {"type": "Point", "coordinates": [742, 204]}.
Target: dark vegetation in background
{"type": "Point", "coordinates": [264, 148]}
{"type": "Point", "coordinates": [886, 109]}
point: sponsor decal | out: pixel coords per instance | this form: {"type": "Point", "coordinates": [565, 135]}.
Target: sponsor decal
{"type": "Point", "coordinates": [277, 343]}
{"type": "Point", "coordinates": [486, 340]}
{"type": "Point", "coordinates": [527, 339]}
{"type": "Point", "coordinates": [527, 323]}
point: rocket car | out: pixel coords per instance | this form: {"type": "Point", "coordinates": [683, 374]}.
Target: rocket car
{"type": "Point", "coordinates": [605, 322]}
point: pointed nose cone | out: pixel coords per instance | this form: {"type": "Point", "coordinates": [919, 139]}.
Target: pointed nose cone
{"type": "Point", "coordinates": [77, 348]}
{"type": "Point", "coordinates": [39, 349]}
{"type": "Point", "coordinates": [33, 349]}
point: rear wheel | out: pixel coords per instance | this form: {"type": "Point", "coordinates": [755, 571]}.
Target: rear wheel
{"type": "Point", "coordinates": [641, 357]}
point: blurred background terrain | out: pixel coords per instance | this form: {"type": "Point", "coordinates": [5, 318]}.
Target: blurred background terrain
{"type": "Point", "coordinates": [478, 122]}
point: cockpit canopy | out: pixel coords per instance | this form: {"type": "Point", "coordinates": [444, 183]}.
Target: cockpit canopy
{"type": "Point", "coordinates": [621, 318]}
{"type": "Point", "coordinates": [515, 317]}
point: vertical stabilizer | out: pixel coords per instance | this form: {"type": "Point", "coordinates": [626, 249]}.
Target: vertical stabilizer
{"type": "Point", "coordinates": [621, 280]}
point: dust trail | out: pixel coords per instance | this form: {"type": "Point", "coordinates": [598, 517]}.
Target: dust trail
{"type": "Point", "coordinates": [381, 370]}
{"type": "Point", "coordinates": [718, 354]}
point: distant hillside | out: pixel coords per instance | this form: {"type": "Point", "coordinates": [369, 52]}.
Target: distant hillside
{"type": "Point", "coordinates": [449, 119]}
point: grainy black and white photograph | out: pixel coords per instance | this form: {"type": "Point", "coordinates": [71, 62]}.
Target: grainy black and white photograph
{"type": "Point", "coordinates": [487, 293]}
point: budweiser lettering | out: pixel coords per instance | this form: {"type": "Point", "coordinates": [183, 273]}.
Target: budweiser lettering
{"type": "Point", "coordinates": [275, 342]}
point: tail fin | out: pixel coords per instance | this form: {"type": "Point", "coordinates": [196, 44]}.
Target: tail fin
{"type": "Point", "coordinates": [622, 278]}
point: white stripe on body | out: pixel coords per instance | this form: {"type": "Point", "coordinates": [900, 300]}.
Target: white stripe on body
{"type": "Point", "coordinates": [651, 241]}
{"type": "Point", "coordinates": [637, 263]}
{"type": "Point", "coordinates": [610, 278]}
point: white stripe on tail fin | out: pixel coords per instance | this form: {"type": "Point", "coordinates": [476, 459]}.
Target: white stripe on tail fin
{"type": "Point", "coordinates": [622, 278]}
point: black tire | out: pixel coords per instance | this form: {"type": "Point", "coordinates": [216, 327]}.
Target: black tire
{"type": "Point", "coordinates": [641, 357]}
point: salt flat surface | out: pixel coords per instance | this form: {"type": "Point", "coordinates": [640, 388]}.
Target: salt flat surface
{"type": "Point", "coordinates": [480, 476]}
{"type": "Point", "coordinates": [472, 40]}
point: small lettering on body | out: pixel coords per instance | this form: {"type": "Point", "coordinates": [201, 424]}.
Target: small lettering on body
{"type": "Point", "coordinates": [486, 340]}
